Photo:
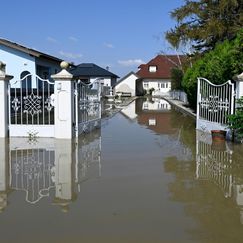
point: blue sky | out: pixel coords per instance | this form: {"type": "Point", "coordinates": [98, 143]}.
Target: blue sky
{"type": "Point", "coordinates": [119, 34]}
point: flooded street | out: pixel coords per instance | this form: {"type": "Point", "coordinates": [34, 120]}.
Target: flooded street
{"type": "Point", "coordinates": [145, 176]}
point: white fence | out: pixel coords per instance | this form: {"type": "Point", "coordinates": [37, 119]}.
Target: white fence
{"type": "Point", "coordinates": [214, 104]}
{"type": "Point", "coordinates": [34, 107]}
{"type": "Point", "coordinates": [31, 107]}
{"type": "Point", "coordinates": [87, 113]}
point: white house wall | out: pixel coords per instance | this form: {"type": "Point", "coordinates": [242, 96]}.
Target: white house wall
{"type": "Point", "coordinates": [157, 85]}
{"type": "Point", "coordinates": [105, 80]}
{"type": "Point", "coordinates": [16, 62]}
{"type": "Point", "coordinates": [128, 85]}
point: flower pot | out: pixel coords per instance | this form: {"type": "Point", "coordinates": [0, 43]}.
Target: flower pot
{"type": "Point", "coordinates": [218, 135]}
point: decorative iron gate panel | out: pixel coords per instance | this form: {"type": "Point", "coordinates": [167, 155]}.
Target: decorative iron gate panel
{"type": "Point", "coordinates": [31, 107]}
{"type": "Point", "coordinates": [87, 107]}
{"type": "Point", "coordinates": [214, 104]}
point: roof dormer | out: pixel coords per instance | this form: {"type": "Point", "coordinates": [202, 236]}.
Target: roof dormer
{"type": "Point", "coordinates": [152, 69]}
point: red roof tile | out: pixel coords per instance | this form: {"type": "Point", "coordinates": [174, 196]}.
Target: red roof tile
{"type": "Point", "coordinates": [164, 63]}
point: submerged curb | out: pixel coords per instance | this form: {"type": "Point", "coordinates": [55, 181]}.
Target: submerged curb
{"type": "Point", "coordinates": [182, 106]}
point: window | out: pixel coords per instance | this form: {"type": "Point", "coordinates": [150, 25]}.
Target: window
{"type": "Point", "coordinates": [145, 85]}
{"type": "Point", "coordinates": [152, 122]}
{"type": "Point", "coordinates": [152, 69]}
{"type": "Point", "coordinates": [162, 85]}
{"type": "Point", "coordinates": [26, 81]}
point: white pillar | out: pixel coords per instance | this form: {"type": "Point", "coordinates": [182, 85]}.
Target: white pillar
{"type": "Point", "coordinates": [64, 102]}
{"type": "Point", "coordinates": [239, 85]}
{"type": "Point", "coordinates": [4, 79]}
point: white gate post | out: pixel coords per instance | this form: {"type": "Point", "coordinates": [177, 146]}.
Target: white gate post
{"type": "Point", "coordinates": [4, 79]}
{"type": "Point", "coordinates": [64, 91]}
{"type": "Point", "coordinates": [198, 101]}
{"type": "Point", "coordinates": [239, 86]}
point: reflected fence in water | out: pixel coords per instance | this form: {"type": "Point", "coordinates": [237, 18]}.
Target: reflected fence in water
{"type": "Point", "coordinates": [45, 166]}
{"type": "Point", "coordinates": [218, 162]}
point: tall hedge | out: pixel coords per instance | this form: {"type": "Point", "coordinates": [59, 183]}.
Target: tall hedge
{"type": "Point", "coordinates": [218, 66]}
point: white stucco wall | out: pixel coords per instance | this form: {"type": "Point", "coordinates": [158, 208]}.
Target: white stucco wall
{"type": "Point", "coordinates": [105, 80]}
{"type": "Point", "coordinates": [16, 62]}
{"type": "Point", "coordinates": [157, 84]}
{"type": "Point", "coordinates": [127, 85]}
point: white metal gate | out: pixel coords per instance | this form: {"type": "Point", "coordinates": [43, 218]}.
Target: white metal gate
{"type": "Point", "coordinates": [31, 107]}
{"type": "Point", "coordinates": [214, 104]}
{"type": "Point", "coordinates": [87, 114]}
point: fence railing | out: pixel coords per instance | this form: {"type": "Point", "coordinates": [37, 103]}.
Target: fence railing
{"type": "Point", "coordinates": [87, 106]}
{"type": "Point", "coordinates": [31, 105]}
{"type": "Point", "coordinates": [214, 104]}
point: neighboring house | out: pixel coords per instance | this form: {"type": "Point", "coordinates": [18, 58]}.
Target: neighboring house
{"type": "Point", "coordinates": [21, 61]}
{"type": "Point", "coordinates": [126, 85]}
{"type": "Point", "coordinates": [89, 72]}
{"type": "Point", "coordinates": [155, 76]}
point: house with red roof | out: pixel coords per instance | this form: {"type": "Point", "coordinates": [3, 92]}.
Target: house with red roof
{"type": "Point", "coordinates": [155, 76]}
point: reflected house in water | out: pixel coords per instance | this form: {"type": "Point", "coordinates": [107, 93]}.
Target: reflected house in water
{"type": "Point", "coordinates": [40, 167]}
{"type": "Point", "coordinates": [155, 113]}
{"type": "Point", "coordinates": [130, 111]}
{"type": "Point", "coordinates": [217, 162]}
{"type": "Point", "coordinates": [158, 115]}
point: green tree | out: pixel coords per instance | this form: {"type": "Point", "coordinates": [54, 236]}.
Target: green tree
{"type": "Point", "coordinates": [176, 78]}
{"type": "Point", "coordinates": [205, 23]}
{"type": "Point", "coordinates": [218, 66]}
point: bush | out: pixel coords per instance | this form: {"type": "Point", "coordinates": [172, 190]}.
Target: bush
{"type": "Point", "coordinates": [218, 66]}
{"type": "Point", "coordinates": [235, 121]}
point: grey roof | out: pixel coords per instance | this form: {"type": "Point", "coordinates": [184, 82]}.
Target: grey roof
{"type": "Point", "coordinates": [90, 70]}
{"type": "Point", "coordinates": [119, 81]}
{"type": "Point", "coordinates": [27, 50]}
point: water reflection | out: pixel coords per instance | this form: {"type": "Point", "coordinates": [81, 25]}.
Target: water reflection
{"type": "Point", "coordinates": [38, 168]}
{"type": "Point", "coordinates": [219, 162]}
{"type": "Point", "coordinates": [161, 182]}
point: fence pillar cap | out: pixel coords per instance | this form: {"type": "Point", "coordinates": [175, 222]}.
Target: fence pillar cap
{"type": "Point", "coordinates": [3, 75]}
{"type": "Point", "coordinates": [2, 69]}
{"type": "Point", "coordinates": [64, 74]}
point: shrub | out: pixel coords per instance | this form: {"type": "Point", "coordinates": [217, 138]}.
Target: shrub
{"type": "Point", "coordinates": [218, 66]}
{"type": "Point", "coordinates": [235, 121]}
{"type": "Point", "coordinates": [176, 78]}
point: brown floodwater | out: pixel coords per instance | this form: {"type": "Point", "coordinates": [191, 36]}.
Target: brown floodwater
{"type": "Point", "coordinates": [145, 176]}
